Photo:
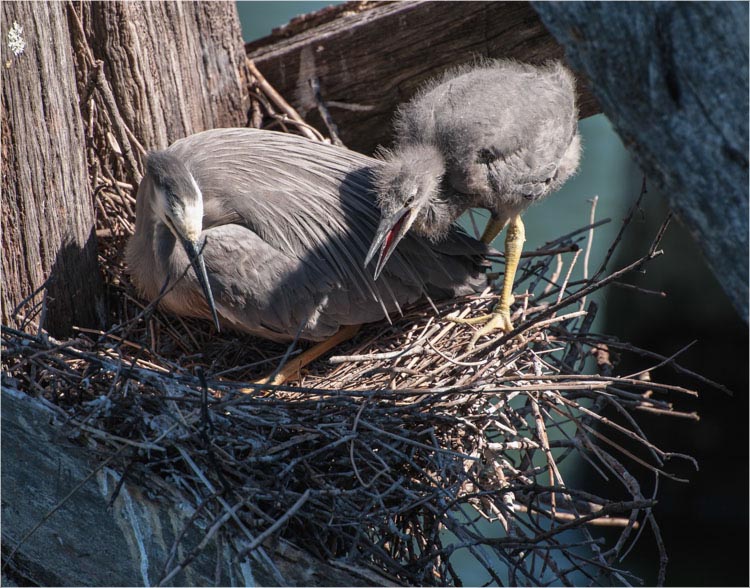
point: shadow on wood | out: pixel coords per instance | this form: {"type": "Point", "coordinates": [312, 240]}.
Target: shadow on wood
{"type": "Point", "coordinates": [371, 57]}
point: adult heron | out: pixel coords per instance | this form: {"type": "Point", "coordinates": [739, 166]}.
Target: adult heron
{"type": "Point", "coordinates": [500, 136]}
{"type": "Point", "coordinates": [267, 233]}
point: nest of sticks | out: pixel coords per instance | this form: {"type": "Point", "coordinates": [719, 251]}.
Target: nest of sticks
{"type": "Point", "coordinates": [401, 453]}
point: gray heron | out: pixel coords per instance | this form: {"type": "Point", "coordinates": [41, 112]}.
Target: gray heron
{"type": "Point", "coordinates": [499, 135]}
{"type": "Point", "coordinates": [267, 232]}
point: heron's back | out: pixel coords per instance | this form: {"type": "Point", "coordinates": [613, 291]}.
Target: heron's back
{"type": "Point", "coordinates": [288, 224]}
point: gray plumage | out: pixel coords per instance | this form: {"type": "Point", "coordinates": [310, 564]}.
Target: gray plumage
{"type": "Point", "coordinates": [499, 135]}
{"type": "Point", "coordinates": [284, 224]}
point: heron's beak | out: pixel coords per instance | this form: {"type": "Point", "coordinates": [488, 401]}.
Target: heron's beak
{"type": "Point", "coordinates": [390, 231]}
{"type": "Point", "coordinates": [194, 250]}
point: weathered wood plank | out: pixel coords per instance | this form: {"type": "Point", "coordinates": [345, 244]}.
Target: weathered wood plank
{"type": "Point", "coordinates": [89, 542]}
{"type": "Point", "coordinates": [370, 59]}
{"type": "Point", "coordinates": [48, 217]}
{"type": "Point", "coordinates": [175, 68]}
{"type": "Point", "coordinates": [673, 79]}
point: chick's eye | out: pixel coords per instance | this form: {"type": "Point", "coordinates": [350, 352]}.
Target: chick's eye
{"type": "Point", "coordinates": [410, 197]}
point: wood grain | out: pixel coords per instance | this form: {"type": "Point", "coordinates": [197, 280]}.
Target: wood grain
{"type": "Point", "coordinates": [175, 68]}
{"type": "Point", "coordinates": [673, 79]}
{"type": "Point", "coordinates": [48, 217]}
{"type": "Point", "coordinates": [97, 538]}
{"type": "Point", "coordinates": [370, 57]}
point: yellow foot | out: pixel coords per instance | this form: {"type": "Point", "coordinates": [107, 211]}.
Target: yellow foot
{"type": "Point", "coordinates": [479, 320]}
{"type": "Point", "coordinates": [292, 369]}
{"type": "Point", "coordinates": [476, 320]}
{"type": "Point", "coordinates": [277, 380]}
{"type": "Point", "coordinates": [498, 320]}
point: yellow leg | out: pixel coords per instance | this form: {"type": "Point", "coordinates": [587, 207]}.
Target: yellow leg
{"type": "Point", "coordinates": [500, 317]}
{"type": "Point", "coordinates": [292, 368]}
{"type": "Point", "coordinates": [493, 228]}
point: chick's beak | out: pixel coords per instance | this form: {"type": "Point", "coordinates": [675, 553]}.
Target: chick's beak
{"type": "Point", "coordinates": [194, 250]}
{"type": "Point", "coordinates": [391, 230]}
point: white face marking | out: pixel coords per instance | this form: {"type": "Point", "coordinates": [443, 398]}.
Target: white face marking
{"type": "Point", "coordinates": [194, 214]}
{"type": "Point", "coordinates": [183, 213]}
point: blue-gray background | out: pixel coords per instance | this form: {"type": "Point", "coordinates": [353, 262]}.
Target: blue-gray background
{"type": "Point", "coordinates": [705, 524]}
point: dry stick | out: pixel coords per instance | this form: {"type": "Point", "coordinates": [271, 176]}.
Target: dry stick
{"type": "Point", "coordinates": [658, 293]}
{"type": "Point", "coordinates": [678, 368]}
{"type": "Point", "coordinates": [589, 242]}
{"type": "Point", "coordinates": [81, 36]}
{"type": "Point", "coordinates": [630, 484]}
{"type": "Point", "coordinates": [561, 318]}
{"type": "Point", "coordinates": [555, 274]}
{"type": "Point", "coordinates": [351, 451]}
{"type": "Point", "coordinates": [14, 313]}
{"type": "Point", "coordinates": [124, 134]}
{"type": "Point", "coordinates": [196, 551]}
{"type": "Point", "coordinates": [629, 454]}
{"type": "Point", "coordinates": [277, 99]}
{"type": "Point", "coordinates": [197, 512]}
{"type": "Point", "coordinates": [283, 119]}
{"type": "Point", "coordinates": [455, 362]}
{"type": "Point", "coordinates": [377, 356]}
{"type": "Point", "coordinates": [545, 252]}
{"type": "Point", "coordinates": [652, 253]}
{"type": "Point", "coordinates": [279, 522]}
{"type": "Point", "coordinates": [567, 277]}
{"type": "Point", "coordinates": [606, 510]}
{"type": "Point", "coordinates": [589, 414]}
{"type": "Point", "coordinates": [620, 233]}
{"type": "Point", "coordinates": [665, 361]}
{"type": "Point", "coordinates": [124, 201]}
{"type": "Point", "coordinates": [594, 379]}
{"type": "Point", "coordinates": [579, 230]}
{"type": "Point", "coordinates": [333, 131]}
{"type": "Point", "coordinates": [541, 432]}
{"type": "Point", "coordinates": [120, 127]}
{"type": "Point", "coordinates": [201, 476]}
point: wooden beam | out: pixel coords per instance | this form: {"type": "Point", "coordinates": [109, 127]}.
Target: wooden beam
{"type": "Point", "coordinates": [48, 218]}
{"type": "Point", "coordinates": [673, 78]}
{"type": "Point", "coordinates": [370, 57]}
{"type": "Point", "coordinates": [67, 521]}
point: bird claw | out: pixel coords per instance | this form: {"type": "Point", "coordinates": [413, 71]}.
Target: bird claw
{"type": "Point", "coordinates": [477, 320]}
{"type": "Point", "coordinates": [498, 320]}
{"type": "Point", "coordinates": [277, 380]}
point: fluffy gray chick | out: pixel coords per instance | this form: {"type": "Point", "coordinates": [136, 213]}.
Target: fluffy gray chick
{"type": "Point", "coordinates": [499, 135]}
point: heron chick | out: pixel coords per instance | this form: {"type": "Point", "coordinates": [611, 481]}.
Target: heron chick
{"type": "Point", "coordinates": [276, 228]}
{"type": "Point", "coordinates": [501, 136]}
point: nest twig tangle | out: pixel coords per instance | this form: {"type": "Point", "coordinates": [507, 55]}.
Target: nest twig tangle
{"type": "Point", "coordinates": [403, 453]}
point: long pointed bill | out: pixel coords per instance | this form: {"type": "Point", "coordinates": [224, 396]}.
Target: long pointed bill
{"type": "Point", "coordinates": [390, 231]}
{"type": "Point", "coordinates": [195, 254]}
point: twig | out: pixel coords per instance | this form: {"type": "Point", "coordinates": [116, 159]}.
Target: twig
{"type": "Point", "coordinates": [278, 100]}
{"type": "Point", "coordinates": [589, 243]}
{"type": "Point", "coordinates": [333, 131]}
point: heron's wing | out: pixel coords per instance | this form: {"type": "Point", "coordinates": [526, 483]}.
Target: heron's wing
{"type": "Point", "coordinates": [313, 205]}
{"type": "Point", "coordinates": [259, 289]}
{"type": "Point", "coordinates": [503, 126]}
